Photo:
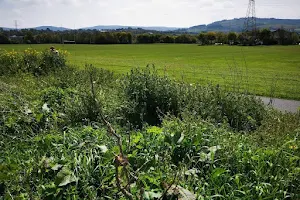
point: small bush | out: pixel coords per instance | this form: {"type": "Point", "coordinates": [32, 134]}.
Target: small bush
{"type": "Point", "coordinates": [241, 112]}
{"type": "Point", "coordinates": [150, 94]}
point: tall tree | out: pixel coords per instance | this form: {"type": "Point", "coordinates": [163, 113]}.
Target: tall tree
{"type": "Point", "coordinates": [232, 37]}
{"type": "Point", "coordinates": [4, 39]}
{"type": "Point", "coordinates": [295, 38]}
{"type": "Point", "coordinates": [28, 38]}
{"type": "Point", "coordinates": [211, 36]}
{"type": "Point", "coordinates": [265, 36]}
{"type": "Point", "coordinates": [202, 37]}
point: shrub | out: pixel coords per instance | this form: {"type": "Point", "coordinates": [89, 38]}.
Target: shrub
{"type": "Point", "coordinates": [151, 95]}
{"type": "Point", "coordinates": [241, 112]}
{"type": "Point", "coordinates": [10, 62]}
{"type": "Point", "coordinates": [31, 61]}
{"type": "Point", "coordinates": [51, 61]}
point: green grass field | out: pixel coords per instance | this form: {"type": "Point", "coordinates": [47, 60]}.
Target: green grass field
{"type": "Point", "coordinates": [267, 71]}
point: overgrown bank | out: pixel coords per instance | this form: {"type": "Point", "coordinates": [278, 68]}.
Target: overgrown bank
{"type": "Point", "coordinates": [208, 143]}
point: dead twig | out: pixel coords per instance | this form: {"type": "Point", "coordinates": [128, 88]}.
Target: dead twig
{"type": "Point", "coordinates": [120, 160]}
{"type": "Point", "coordinates": [168, 187]}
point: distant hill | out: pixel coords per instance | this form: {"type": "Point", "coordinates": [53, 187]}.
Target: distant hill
{"type": "Point", "coordinates": [105, 27]}
{"type": "Point", "coordinates": [237, 25]}
{"type": "Point", "coordinates": [52, 28]}
{"type": "Point", "coordinates": [114, 27]}
{"type": "Point", "coordinates": [5, 28]}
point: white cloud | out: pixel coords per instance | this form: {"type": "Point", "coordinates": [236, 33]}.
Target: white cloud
{"type": "Point", "coordinates": [180, 13]}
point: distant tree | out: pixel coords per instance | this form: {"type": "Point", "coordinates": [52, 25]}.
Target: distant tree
{"type": "Point", "coordinates": [144, 39]}
{"type": "Point", "coordinates": [187, 39]}
{"type": "Point", "coordinates": [28, 38]}
{"type": "Point", "coordinates": [148, 38]}
{"type": "Point", "coordinates": [122, 38]}
{"type": "Point", "coordinates": [282, 36]}
{"type": "Point", "coordinates": [166, 39]}
{"type": "Point", "coordinates": [129, 37]}
{"type": "Point", "coordinates": [232, 37]}
{"type": "Point", "coordinates": [221, 37]}
{"type": "Point", "coordinates": [265, 36]}
{"type": "Point", "coordinates": [4, 39]}
{"type": "Point", "coordinates": [211, 36]}
{"type": "Point", "coordinates": [202, 37]}
{"type": "Point", "coordinates": [295, 38]}
{"type": "Point", "coordinates": [241, 38]}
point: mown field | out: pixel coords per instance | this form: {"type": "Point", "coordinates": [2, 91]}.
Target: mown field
{"type": "Point", "coordinates": [263, 70]}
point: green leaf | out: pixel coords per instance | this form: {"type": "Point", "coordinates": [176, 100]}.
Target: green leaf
{"type": "Point", "coordinates": [103, 148]}
{"type": "Point", "coordinates": [190, 172]}
{"type": "Point", "coordinates": [65, 177]}
{"type": "Point", "coordinates": [39, 117]}
{"type": "Point", "coordinates": [217, 172]}
{"type": "Point", "coordinates": [56, 167]}
{"type": "Point", "coordinates": [136, 138]}
{"type": "Point", "coordinates": [214, 149]}
{"type": "Point", "coordinates": [151, 195]}
{"type": "Point", "coordinates": [183, 193]}
{"type": "Point", "coordinates": [181, 138]}
{"type": "Point", "coordinates": [154, 130]}
{"type": "Point", "coordinates": [67, 180]}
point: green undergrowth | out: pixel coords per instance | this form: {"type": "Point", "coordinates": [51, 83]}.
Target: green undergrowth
{"type": "Point", "coordinates": [208, 142]}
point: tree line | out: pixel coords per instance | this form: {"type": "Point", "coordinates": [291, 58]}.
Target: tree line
{"type": "Point", "coordinates": [32, 36]}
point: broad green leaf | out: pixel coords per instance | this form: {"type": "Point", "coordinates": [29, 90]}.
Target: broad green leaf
{"type": "Point", "coordinates": [154, 130]}
{"type": "Point", "coordinates": [56, 167]}
{"type": "Point", "coordinates": [183, 193]}
{"type": "Point", "coordinates": [103, 148]}
{"type": "Point", "coordinates": [191, 172]}
{"type": "Point", "coordinates": [136, 138]}
{"type": "Point", "coordinates": [151, 195]}
{"type": "Point", "coordinates": [217, 172]}
{"type": "Point", "coordinates": [67, 180]}
{"type": "Point", "coordinates": [214, 149]}
{"type": "Point", "coordinates": [39, 117]}
{"type": "Point", "coordinates": [65, 177]}
{"type": "Point", "coordinates": [45, 108]}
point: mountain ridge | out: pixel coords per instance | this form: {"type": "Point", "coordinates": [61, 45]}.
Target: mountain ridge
{"type": "Point", "coordinates": [226, 25]}
{"type": "Point", "coordinates": [237, 25]}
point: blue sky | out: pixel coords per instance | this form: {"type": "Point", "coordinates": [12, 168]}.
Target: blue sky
{"type": "Point", "coordinates": [172, 13]}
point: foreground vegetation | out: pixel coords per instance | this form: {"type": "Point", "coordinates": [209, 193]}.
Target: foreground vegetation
{"type": "Point", "coordinates": [265, 71]}
{"type": "Point", "coordinates": [87, 134]}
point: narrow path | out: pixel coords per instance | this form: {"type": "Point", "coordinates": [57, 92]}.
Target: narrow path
{"type": "Point", "coordinates": [282, 104]}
